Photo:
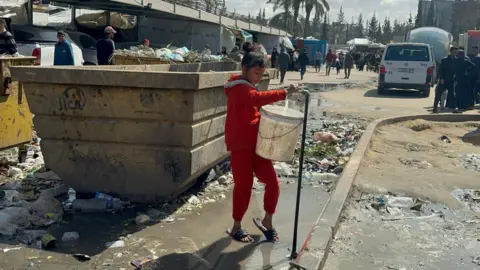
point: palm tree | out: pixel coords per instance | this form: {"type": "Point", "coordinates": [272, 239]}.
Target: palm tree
{"type": "Point", "coordinates": [281, 19]}
{"type": "Point", "coordinates": [320, 6]}
{"type": "Point", "coordinates": [286, 5]}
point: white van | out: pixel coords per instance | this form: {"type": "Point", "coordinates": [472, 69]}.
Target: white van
{"type": "Point", "coordinates": [407, 66]}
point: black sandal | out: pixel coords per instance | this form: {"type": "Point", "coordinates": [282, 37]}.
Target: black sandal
{"type": "Point", "coordinates": [240, 235]}
{"type": "Point", "coordinates": [271, 235]}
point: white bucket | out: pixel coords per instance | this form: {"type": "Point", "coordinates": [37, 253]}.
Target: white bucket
{"type": "Point", "coordinates": [278, 133]}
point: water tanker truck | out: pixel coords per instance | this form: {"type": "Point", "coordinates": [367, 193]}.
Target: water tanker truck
{"type": "Point", "coordinates": [439, 39]}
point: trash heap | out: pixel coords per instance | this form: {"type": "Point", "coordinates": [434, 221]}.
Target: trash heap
{"type": "Point", "coordinates": [328, 147]}
{"type": "Point", "coordinates": [170, 53]}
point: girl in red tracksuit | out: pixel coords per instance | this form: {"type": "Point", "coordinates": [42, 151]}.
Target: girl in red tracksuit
{"type": "Point", "coordinates": [241, 130]}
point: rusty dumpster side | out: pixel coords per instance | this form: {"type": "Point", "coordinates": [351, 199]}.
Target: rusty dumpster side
{"type": "Point", "coordinates": [15, 116]}
{"type": "Point", "coordinates": [142, 134]}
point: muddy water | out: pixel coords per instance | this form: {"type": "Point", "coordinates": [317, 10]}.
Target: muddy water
{"type": "Point", "coordinates": [193, 241]}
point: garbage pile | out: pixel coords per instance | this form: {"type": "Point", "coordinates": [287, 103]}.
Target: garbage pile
{"type": "Point", "coordinates": [173, 54]}
{"type": "Point", "coordinates": [327, 149]}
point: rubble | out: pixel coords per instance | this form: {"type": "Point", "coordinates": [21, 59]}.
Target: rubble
{"type": "Point", "coordinates": [470, 162]}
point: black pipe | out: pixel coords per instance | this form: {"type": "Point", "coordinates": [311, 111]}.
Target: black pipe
{"type": "Point", "coordinates": [294, 253]}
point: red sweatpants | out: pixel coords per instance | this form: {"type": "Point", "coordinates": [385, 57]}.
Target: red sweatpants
{"type": "Point", "coordinates": [244, 164]}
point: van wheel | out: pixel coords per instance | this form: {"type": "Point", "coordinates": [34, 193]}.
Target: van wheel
{"type": "Point", "coordinates": [381, 90]}
{"type": "Point", "coordinates": [426, 93]}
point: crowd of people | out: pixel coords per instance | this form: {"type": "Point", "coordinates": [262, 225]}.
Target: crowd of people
{"type": "Point", "coordinates": [458, 86]}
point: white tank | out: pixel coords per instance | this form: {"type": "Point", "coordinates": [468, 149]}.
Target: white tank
{"type": "Point", "coordinates": [439, 39]}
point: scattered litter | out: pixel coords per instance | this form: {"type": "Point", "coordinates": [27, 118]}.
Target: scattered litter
{"type": "Point", "coordinates": [115, 244]}
{"type": "Point", "coordinates": [326, 137]}
{"type": "Point", "coordinates": [142, 219]}
{"type": "Point", "coordinates": [81, 257]}
{"type": "Point", "coordinates": [283, 169]}
{"type": "Point", "coordinates": [471, 162]}
{"type": "Point", "coordinates": [470, 198]}
{"type": "Point", "coordinates": [445, 138]}
{"type": "Point", "coordinates": [48, 241]}
{"type": "Point", "coordinates": [70, 236]}
{"type": "Point", "coordinates": [5, 250]}
{"type": "Point", "coordinates": [194, 200]}
{"type": "Point", "coordinates": [143, 263]}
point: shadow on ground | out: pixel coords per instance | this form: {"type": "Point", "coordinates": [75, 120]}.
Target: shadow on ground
{"type": "Point", "coordinates": [406, 94]}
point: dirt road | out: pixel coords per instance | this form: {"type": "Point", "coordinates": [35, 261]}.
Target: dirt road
{"type": "Point", "coordinates": [412, 206]}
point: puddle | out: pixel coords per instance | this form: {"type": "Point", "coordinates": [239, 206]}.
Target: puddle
{"type": "Point", "coordinates": [325, 87]}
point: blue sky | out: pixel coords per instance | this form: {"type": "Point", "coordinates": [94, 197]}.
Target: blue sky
{"type": "Point", "coordinates": [392, 8]}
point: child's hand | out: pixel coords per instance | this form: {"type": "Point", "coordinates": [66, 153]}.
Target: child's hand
{"type": "Point", "coordinates": [293, 89]}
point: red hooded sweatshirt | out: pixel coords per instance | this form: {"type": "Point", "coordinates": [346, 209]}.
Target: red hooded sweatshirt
{"type": "Point", "coordinates": [243, 118]}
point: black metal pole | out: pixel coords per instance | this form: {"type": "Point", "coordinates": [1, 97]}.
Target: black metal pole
{"type": "Point", "coordinates": [294, 253]}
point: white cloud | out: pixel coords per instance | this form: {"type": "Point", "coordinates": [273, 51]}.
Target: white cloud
{"type": "Point", "coordinates": [399, 9]}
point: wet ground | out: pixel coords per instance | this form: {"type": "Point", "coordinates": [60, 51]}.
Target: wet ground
{"type": "Point", "coordinates": [192, 240]}
{"type": "Point", "coordinates": [435, 238]}
{"type": "Point", "coordinates": [178, 244]}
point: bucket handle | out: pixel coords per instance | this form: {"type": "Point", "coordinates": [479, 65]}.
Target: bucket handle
{"type": "Point", "coordinates": [279, 136]}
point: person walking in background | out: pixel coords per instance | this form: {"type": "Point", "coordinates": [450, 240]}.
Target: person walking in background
{"type": "Point", "coordinates": [338, 62]}
{"type": "Point", "coordinates": [7, 42]}
{"type": "Point", "coordinates": [329, 62]}
{"type": "Point", "coordinates": [348, 64]}
{"type": "Point", "coordinates": [296, 54]}
{"type": "Point", "coordinates": [106, 47]}
{"type": "Point", "coordinates": [241, 132]}
{"type": "Point", "coordinates": [63, 54]}
{"type": "Point", "coordinates": [318, 60]}
{"type": "Point", "coordinates": [274, 59]}
{"type": "Point", "coordinates": [283, 63]}
{"type": "Point", "coordinates": [303, 61]}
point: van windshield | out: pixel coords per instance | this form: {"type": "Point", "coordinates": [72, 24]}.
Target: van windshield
{"type": "Point", "coordinates": [407, 53]}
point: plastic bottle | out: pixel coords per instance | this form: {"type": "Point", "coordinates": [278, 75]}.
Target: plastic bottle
{"type": "Point", "coordinates": [97, 205]}
{"type": "Point", "coordinates": [72, 196]}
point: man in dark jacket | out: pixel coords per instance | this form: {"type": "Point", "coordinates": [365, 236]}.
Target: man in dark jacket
{"type": "Point", "coordinates": [303, 62]}
{"type": "Point", "coordinates": [106, 47]}
{"type": "Point", "coordinates": [476, 61]}
{"type": "Point", "coordinates": [283, 63]}
{"type": "Point", "coordinates": [446, 80]}
{"type": "Point", "coordinates": [464, 69]}
{"type": "Point", "coordinates": [7, 42]}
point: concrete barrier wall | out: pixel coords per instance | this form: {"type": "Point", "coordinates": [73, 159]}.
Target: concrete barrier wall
{"type": "Point", "coordinates": [142, 135]}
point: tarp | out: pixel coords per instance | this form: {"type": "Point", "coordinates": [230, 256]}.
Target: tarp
{"type": "Point", "coordinates": [179, 33]}
{"type": "Point", "coordinates": [12, 3]}
{"type": "Point", "coordinates": [243, 36]}
{"type": "Point", "coordinates": [12, 9]}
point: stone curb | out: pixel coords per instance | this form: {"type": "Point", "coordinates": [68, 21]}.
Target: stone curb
{"type": "Point", "coordinates": [314, 251]}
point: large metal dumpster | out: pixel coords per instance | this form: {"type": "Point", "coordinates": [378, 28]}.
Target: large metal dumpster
{"type": "Point", "coordinates": [140, 132]}
{"type": "Point", "coordinates": [15, 117]}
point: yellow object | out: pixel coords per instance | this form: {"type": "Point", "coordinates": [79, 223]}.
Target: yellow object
{"type": "Point", "coordinates": [15, 116]}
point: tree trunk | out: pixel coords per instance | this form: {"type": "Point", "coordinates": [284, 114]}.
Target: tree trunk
{"type": "Point", "coordinates": [296, 10]}
{"type": "Point", "coordinates": [308, 11]}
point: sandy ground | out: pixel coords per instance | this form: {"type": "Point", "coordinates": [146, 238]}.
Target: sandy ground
{"type": "Point", "coordinates": [419, 163]}
{"type": "Point", "coordinates": [407, 159]}
{"type": "Point", "coordinates": [416, 164]}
